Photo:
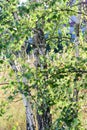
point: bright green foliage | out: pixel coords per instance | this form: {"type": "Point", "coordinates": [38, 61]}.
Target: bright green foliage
{"type": "Point", "coordinates": [64, 71]}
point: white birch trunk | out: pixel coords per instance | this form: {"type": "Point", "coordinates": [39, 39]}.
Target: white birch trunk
{"type": "Point", "coordinates": [29, 113]}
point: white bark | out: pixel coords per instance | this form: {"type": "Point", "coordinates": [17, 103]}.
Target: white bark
{"type": "Point", "coordinates": [29, 113]}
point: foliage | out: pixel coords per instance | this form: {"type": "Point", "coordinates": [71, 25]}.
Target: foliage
{"type": "Point", "coordinates": [54, 85]}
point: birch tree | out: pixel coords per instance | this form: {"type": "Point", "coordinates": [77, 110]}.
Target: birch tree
{"type": "Point", "coordinates": [45, 80]}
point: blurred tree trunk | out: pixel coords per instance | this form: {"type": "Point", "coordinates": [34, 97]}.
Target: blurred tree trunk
{"type": "Point", "coordinates": [85, 19]}
{"type": "Point", "coordinates": [77, 42]}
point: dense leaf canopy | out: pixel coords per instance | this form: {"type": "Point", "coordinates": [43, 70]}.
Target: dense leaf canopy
{"type": "Point", "coordinates": [60, 77]}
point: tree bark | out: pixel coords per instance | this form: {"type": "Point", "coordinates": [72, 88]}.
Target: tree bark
{"type": "Point", "coordinates": [44, 119]}
{"type": "Point", "coordinates": [30, 122]}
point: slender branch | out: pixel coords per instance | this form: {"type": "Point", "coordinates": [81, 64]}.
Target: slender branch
{"type": "Point", "coordinates": [18, 100]}
{"type": "Point", "coordinates": [68, 71]}
{"type": "Point", "coordinates": [4, 83]}
{"type": "Point", "coordinates": [56, 37]}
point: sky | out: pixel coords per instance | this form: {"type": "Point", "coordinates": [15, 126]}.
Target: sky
{"type": "Point", "coordinates": [22, 1]}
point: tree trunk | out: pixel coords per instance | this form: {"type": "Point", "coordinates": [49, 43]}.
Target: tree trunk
{"type": "Point", "coordinates": [44, 119]}
{"type": "Point", "coordinates": [30, 122]}
{"type": "Point", "coordinates": [77, 31]}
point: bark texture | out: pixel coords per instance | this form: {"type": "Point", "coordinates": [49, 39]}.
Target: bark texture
{"type": "Point", "coordinates": [44, 119]}
{"type": "Point", "coordinates": [30, 122]}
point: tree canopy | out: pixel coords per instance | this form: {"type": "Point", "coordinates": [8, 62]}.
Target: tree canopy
{"type": "Point", "coordinates": [43, 43]}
